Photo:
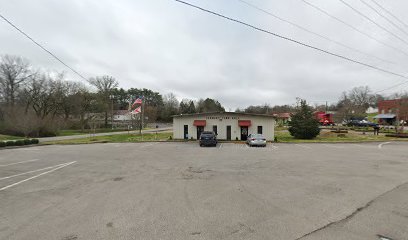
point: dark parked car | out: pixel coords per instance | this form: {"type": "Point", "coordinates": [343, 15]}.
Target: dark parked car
{"type": "Point", "coordinates": [208, 139]}
{"type": "Point", "coordinates": [361, 123]}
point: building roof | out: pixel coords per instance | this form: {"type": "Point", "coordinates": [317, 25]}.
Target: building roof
{"type": "Point", "coordinates": [385, 116]}
{"type": "Point", "coordinates": [224, 113]}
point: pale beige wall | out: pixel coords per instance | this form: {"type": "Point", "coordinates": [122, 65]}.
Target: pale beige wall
{"type": "Point", "coordinates": [221, 120]}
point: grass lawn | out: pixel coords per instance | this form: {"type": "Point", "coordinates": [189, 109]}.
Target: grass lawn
{"type": "Point", "coordinates": [120, 138]}
{"type": "Point", "coordinates": [327, 136]}
{"type": "Point", "coordinates": [8, 137]}
{"type": "Point", "coordinates": [370, 117]}
{"type": "Point", "coordinates": [88, 131]}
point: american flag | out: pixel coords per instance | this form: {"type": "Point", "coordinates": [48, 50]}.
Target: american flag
{"type": "Point", "coordinates": [137, 110]}
{"type": "Point", "coordinates": [137, 101]}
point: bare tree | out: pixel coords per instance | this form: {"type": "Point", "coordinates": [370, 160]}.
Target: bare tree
{"type": "Point", "coordinates": [361, 98]}
{"type": "Point", "coordinates": [46, 95]}
{"type": "Point", "coordinates": [170, 106]}
{"type": "Point", "coordinates": [68, 95]}
{"type": "Point", "coordinates": [105, 85]}
{"type": "Point", "coordinates": [14, 72]}
{"type": "Point", "coordinates": [354, 103]}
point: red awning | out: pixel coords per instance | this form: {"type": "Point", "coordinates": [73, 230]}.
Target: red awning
{"type": "Point", "coordinates": [244, 123]}
{"type": "Point", "coordinates": [200, 123]}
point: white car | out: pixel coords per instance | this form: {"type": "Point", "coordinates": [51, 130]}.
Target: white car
{"type": "Point", "coordinates": [256, 140]}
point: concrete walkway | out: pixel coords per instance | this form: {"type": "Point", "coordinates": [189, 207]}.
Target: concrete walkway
{"type": "Point", "coordinates": [50, 139]}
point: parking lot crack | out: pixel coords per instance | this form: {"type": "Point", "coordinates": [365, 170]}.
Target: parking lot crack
{"type": "Point", "coordinates": [354, 213]}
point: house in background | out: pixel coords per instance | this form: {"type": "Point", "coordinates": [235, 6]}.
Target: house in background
{"type": "Point", "coordinates": [282, 118]}
{"type": "Point", "coordinates": [371, 110]}
{"type": "Point", "coordinates": [391, 110]}
{"type": "Point", "coordinates": [122, 115]}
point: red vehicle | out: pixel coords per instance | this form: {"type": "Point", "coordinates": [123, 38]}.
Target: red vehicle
{"type": "Point", "coordinates": [325, 119]}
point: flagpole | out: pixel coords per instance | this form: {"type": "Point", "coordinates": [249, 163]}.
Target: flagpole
{"type": "Point", "coordinates": [141, 132]}
{"type": "Point", "coordinates": [130, 113]}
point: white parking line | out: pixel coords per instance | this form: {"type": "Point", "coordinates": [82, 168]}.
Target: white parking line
{"type": "Point", "coordinates": [6, 165]}
{"type": "Point", "coordinates": [221, 145]}
{"type": "Point", "coordinates": [36, 176]}
{"type": "Point", "coordinates": [38, 170]}
{"type": "Point", "coordinates": [381, 144]}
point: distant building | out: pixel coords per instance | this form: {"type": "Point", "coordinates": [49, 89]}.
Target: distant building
{"type": "Point", "coordinates": [371, 110]}
{"type": "Point", "coordinates": [227, 125]}
{"type": "Point", "coordinates": [390, 110]}
{"type": "Point", "coordinates": [282, 118]}
{"type": "Point", "coordinates": [122, 115]}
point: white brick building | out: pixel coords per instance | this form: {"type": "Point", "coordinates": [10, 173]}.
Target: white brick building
{"type": "Point", "coordinates": [227, 125]}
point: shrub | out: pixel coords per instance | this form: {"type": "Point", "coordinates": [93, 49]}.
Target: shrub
{"type": "Point", "coordinates": [2, 144]}
{"type": "Point", "coordinates": [45, 132]}
{"type": "Point", "coordinates": [35, 141]}
{"type": "Point", "coordinates": [10, 143]}
{"type": "Point", "coordinates": [27, 141]}
{"type": "Point", "coordinates": [19, 142]}
{"type": "Point", "coordinates": [303, 124]}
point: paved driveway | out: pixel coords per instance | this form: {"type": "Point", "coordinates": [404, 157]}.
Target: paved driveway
{"type": "Point", "coordinates": [182, 191]}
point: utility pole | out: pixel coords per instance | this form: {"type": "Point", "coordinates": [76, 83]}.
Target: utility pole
{"type": "Point", "coordinates": [141, 117]}
{"type": "Point", "coordinates": [112, 98]}
{"type": "Point", "coordinates": [131, 114]}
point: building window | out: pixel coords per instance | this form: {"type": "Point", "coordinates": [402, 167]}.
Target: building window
{"type": "Point", "coordinates": [215, 129]}
{"type": "Point", "coordinates": [185, 132]}
{"type": "Point", "coordinates": [259, 129]}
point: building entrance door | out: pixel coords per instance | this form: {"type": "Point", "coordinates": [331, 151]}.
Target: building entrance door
{"type": "Point", "coordinates": [244, 133]}
{"type": "Point", "coordinates": [200, 129]}
{"type": "Point", "coordinates": [185, 131]}
{"type": "Point", "coordinates": [228, 132]}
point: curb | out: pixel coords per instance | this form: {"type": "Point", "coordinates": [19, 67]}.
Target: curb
{"type": "Point", "coordinates": [234, 142]}
{"type": "Point", "coordinates": [24, 146]}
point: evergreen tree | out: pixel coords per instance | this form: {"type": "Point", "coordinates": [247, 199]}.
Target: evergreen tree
{"type": "Point", "coordinates": [303, 124]}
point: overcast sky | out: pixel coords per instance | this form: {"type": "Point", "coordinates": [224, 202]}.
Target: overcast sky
{"type": "Point", "coordinates": [169, 47]}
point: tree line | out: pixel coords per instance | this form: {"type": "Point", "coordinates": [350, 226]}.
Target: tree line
{"type": "Point", "coordinates": [34, 102]}
{"type": "Point", "coordinates": [352, 104]}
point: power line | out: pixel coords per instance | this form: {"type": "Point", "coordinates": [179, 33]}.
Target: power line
{"type": "Point", "coordinates": [392, 86]}
{"type": "Point", "coordinates": [313, 33]}
{"type": "Point", "coordinates": [390, 13]}
{"type": "Point", "coordinates": [42, 47]}
{"type": "Point", "coordinates": [292, 40]}
{"type": "Point", "coordinates": [383, 16]}
{"type": "Point", "coordinates": [372, 21]}
{"type": "Point", "coordinates": [354, 28]}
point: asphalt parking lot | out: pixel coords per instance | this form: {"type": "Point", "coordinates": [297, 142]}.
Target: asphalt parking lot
{"type": "Point", "coordinates": [182, 191]}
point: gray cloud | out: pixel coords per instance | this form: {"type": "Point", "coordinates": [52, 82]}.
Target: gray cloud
{"type": "Point", "coordinates": [169, 47]}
